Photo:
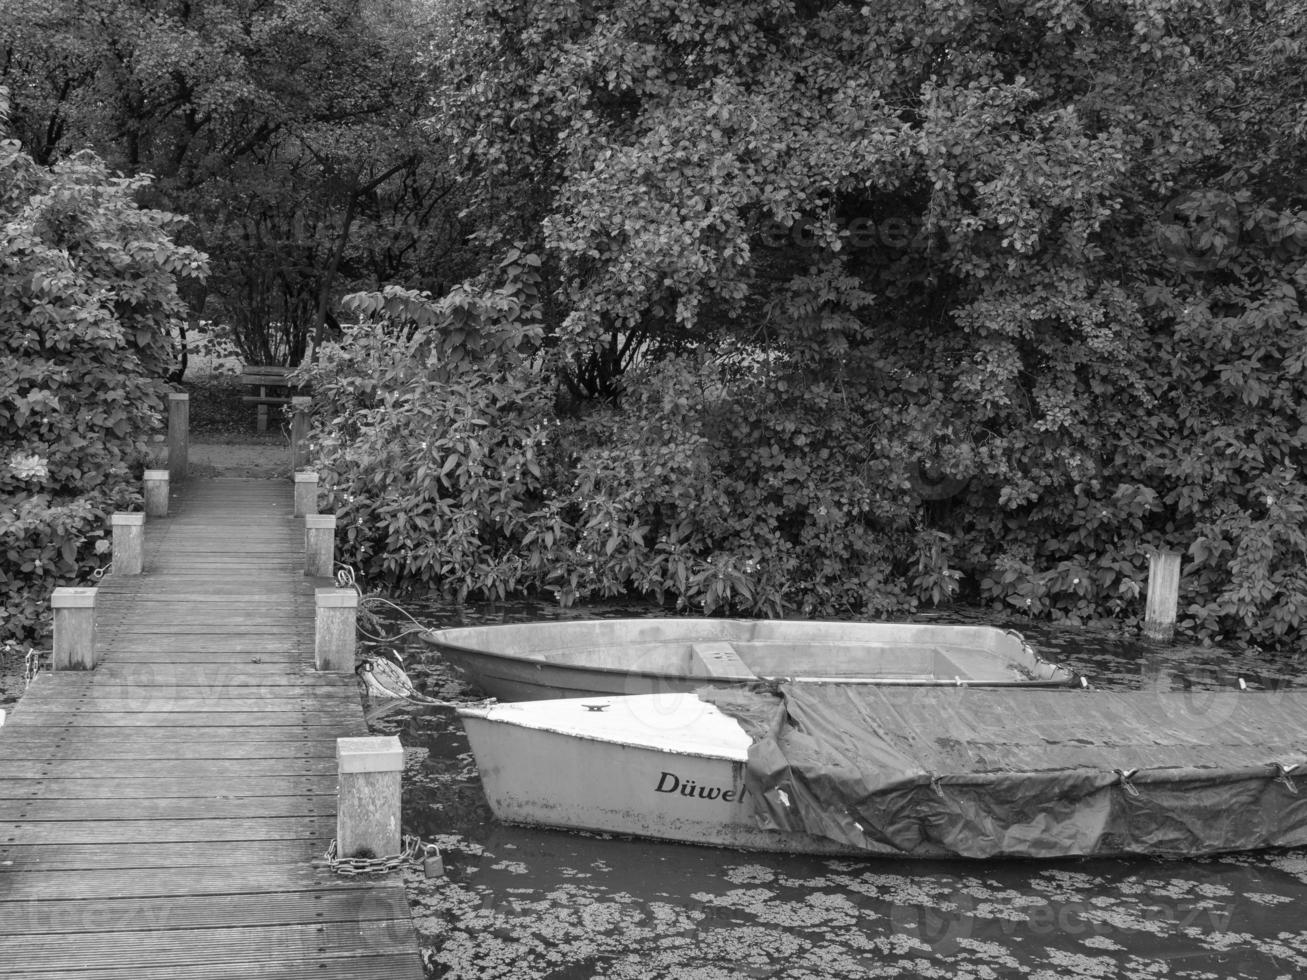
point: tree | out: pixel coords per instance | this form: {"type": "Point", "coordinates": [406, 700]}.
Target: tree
{"type": "Point", "coordinates": [88, 296]}
{"type": "Point", "coordinates": [286, 131]}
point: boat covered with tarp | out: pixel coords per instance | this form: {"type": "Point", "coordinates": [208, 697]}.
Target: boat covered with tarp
{"type": "Point", "coordinates": [909, 772]}
{"type": "Point", "coordinates": [574, 658]}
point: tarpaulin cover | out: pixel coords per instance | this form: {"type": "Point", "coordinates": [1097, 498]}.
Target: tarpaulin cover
{"type": "Point", "coordinates": [986, 773]}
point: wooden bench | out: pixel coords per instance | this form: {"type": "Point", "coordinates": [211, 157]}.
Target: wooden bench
{"type": "Point", "coordinates": [267, 378]}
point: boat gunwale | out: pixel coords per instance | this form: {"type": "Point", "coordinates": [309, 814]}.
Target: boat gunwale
{"type": "Point", "coordinates": [1072, 679]}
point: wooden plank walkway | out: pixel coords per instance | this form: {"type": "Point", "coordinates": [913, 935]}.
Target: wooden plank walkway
{"type": "Point", "coordinates": [159, 814]}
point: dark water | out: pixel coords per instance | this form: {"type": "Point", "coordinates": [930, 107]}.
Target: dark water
{"type": "Point", "coordinates": [518, 903]}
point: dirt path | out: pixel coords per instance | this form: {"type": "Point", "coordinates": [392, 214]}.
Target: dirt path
{"type": "Point", "coordinates": [266, 459]}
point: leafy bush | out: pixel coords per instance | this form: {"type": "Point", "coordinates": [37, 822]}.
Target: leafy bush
{"type": "Point", "coordinates": [88, 297]}
{"type": "Point", "coordinates": [718, 483]}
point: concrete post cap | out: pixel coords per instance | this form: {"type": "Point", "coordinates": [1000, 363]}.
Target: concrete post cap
{"type": "Point", "coordinates": [373, 753]}
{"type": "Point", "coordinates": [329, 598]}
{"type": "Point", "coordinates": [320, 520]}
{"type": "Point", "coordinates": [178, 396]}
{"type": "Point", "coordinates": [305, 476]}
{"type": "Point", "coordinates": [124, 517]}
{"type": "Point", "coordinates": [156, 474]}
{"type": "Point", "coordinates": [301, 401]}
{"type": "Point", "coordinates": [73, 597]}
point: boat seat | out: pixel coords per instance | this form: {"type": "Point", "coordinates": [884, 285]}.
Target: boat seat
{"type": "Point", "coordinates": [719, 660]}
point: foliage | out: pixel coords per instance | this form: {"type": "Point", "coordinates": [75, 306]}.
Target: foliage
{"type": "Point", "coordinates": [432, 457]}
{"type": "Point", "coordinates": [287, 131]}
{"type": "Point", "coordinates": [448, 463]}
{"type": "Point", "coordinates": [1055, 248]}
{"type": "Point", "coordinates": [88, 294]}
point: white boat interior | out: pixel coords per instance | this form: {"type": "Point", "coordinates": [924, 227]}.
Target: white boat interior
{"type": "Point", "coordinates": [680, 724]}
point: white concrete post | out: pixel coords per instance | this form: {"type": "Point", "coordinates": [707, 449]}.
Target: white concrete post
{"type": "Point", "coordinates": [128, 543]}
{"type": "Point", "coordinates": [74, 628]}
{"type": "Point", "coordinates": [367, 811]}
{"type": "Point", "coordinates": [1163, 594]}
{"type": "Point", "coordinates": [179, 424]}
{"type": "Point", "coordinates": [306, 493]}
{"type": "Point", "coordinates": [156, 493]}
{"type": "Point", "coordinates": [320, 545]}
{"type": "Point", "coordinates": [335, 625]}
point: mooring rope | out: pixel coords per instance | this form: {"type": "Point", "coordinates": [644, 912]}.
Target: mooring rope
{"type": "Point", "coordinates": [417, 626]}
{"type": "Point", "coordinates": [346, 578]}
{"type": "Point", "coordinates": [31, 667]}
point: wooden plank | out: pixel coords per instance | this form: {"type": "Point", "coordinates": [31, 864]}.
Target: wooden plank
{"type": "Point", "coordinates": [165, 808]}
{"type": "Point", "coordinates": [287, 654]}
{"type": "Point", "coordinates": [148, 595]}
{"type": "Point", "coordinates": [87, 707]}
{"type": "Point", "coordinates": [200, 854]}
{"type": "Point", "coordinates": [158, 787]}
{"type": "Point", "coordinates": [348, 901]}
{"type": "Point", "coordinates": [235, 626]}
{"type": "Point", "coordinates": [380, 966]}
{"type": "Point", "coordinates": [208, 675]}
{"type": "Point", "coordinates": [306, 763]}
{"type": "Point", "coordinates": [219, 879]}
{"type": "Point", "coordinates": [158, 947]}
{"type": "Point", "coordinates": [204, 746]}
{"type": "Point", "coordinates": [160, 700]}
{"type": "Point", "coordinates": [257, 722]}
{"type": "Point", "coordinates": [330, 687]}
{"type": "Point", "coordinates": [163, 831]}
{"type": "Point", "coordinates": [188, 618]}
{"type": "Point", "coordinates": [168, 650]}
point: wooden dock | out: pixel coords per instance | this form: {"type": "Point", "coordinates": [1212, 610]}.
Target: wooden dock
{"type": "Point", "coordinates": [159, 815]}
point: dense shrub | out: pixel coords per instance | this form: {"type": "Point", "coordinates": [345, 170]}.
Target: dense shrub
{"type": "Point", "coordinates": [87, 299]}
{"type": "Point", "coordinates": [719, 482]}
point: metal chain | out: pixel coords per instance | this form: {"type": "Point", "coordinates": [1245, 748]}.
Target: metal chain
{"type": "Point", "coordinates": [412, 851]}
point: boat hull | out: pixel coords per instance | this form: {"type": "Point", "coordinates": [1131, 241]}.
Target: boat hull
{"type": "Point", "coordinates": [534, 776]}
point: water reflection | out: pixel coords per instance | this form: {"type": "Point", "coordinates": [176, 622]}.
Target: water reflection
{"type": "Point", "coordinates": [523, 903]}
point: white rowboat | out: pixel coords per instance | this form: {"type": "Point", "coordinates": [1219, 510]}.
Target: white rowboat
{"type": "Point", "coordinates": [667, 766]}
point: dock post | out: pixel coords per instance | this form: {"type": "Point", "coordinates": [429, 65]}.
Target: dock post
{"type": "Point", "coordinates": [367, 812]}
{"type": "Point", "coordinates": [299, 432]}
{"type": "Point", "coordinates": [306, 493]}
{"type": "Point", "coordinates": [179, 424]}
{"type": "Point", "coordinates": [1163, 595]}
{"type": "Point", "coordinates": [156, 493]}
{"type": "Point", "coordinates": [320, 545]}
{"type": "Point", "coordinates": [128, 543]}
{"type": "Point", "coordinates": [335, 624]}
{"type": "Point", "coordinates": [74, 628]}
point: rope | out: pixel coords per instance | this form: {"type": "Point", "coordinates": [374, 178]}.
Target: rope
{"type": "Point", "coordinates": [31, 667]}
{"type": "Point", "coordinates": [417, 627]}
{"type": "Point", "coordinates": [346, 579]}
{"type": "Point", "coordinates": [376, 638]}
